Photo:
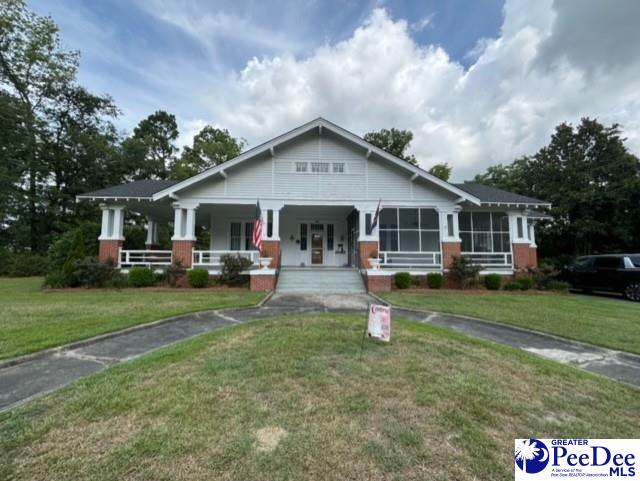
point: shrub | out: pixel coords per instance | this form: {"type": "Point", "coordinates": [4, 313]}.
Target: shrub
{"type": "Point", "coordinates": [544, 275]}
{"type": "Point", "coordinates": [403, 280]}
{"type": "Point", "coordinates": [512, 286]}
{"type": "Point", "coordinates": [525, 283]}
{"type": "Point", "coordinates": [55, 280]}
{"type": "Point", "coordinates": [159, 278]}
{"type": "Point", "coordinates": [559, 286]}
{"type": "Point", "coordinates": [232, 268]}
{"type": "Point", "coordinates": [59, 250]}
{"type": "Point", "coordinates": [90, 272]}
{"type": "Point", "coordinates": [75, 254]}
{"type": "Point", "coordinates": [464, 271]}
{"type": "Point", "coordinates": [492, 281]}
{"type": "Point", "coordinates": [25, 264]}
{"type": "Point", "coordinates": [118, 281]}
{"type": "Point", "coordinates": [140, 277]}
{"type": "Point", "coordinates": [174, 273]}
{"type": "Point", "coordinates": [434, 280]}
{"type": "Point", "coordinates": [198, 278]}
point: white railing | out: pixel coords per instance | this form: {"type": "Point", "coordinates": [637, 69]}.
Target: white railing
{"type": "Point", "coordinates": [491, 260]}
{"type": "Point", "coordinates": [213, 258]}
{"type": "Point", "coordinates": [144, 258]}
{"type": "Point", "coordinates": [410, 260]}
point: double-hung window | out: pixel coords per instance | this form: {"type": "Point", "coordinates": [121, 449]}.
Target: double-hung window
{"type": "Point", "coordinates": [484, 231]}
{"type": "Point", "coordinates": [320, 167]}
{"type": "Point", "coordinates": [409, 230]}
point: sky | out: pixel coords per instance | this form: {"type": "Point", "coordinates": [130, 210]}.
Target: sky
{"type": "Point", "coordinates": [478, 82]}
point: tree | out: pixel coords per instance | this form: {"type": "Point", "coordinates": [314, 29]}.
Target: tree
{"type": "Point", "coordinates": [34, 69]}
{"type": "Point", "coordinates": [210, 147]}
{"type": "Point", "coordinates": [394, 141]}
{"type": "Point", "coordinates": [593, 184]}
{"type": "Point", "coordinates": [154, 138]}
{"type": "Point", "coordinates": [442, 171]}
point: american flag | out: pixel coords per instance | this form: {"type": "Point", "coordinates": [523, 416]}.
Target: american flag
{"type": "Point", "coordinates": [257, 228]}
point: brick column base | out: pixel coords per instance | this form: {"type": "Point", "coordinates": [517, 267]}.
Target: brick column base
{"type": "Point", "coordinates": [271, 248]}
{"type": "Point", "coordinates": [521, 257]}
{"type": "Point", "coordinates": [109, 249]}
{"type": "Point", "coordinates": [262, 282]}
{"type": "Point", "coordinates": [533, 257]}
{"type": "Point", "coordinates": [449, 251]}
{"type": "Point", "coordinates": [365, 248]}
{"type": "Point", "coordinates": [182, 251]}
{"type": "Point", "coordinates": [378, 283]}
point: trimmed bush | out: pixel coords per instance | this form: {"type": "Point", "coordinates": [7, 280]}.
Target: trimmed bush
{"type": "Point", "coordinates": [545, 274]}
{"type": "Point", "coordinates": [559, 286]}
{"type": "Point", "coordinates": [525, 283]}
{"type": "Point", "coordinates": [403, 280]}
{"type": "Point", "coordinates": [55, 280]}
{"type": "Point", "coordinates": [232, 268]}
{"type": "Point", "coordinates": [140, 277]}
{"type": "Point", "coordinates": [119, 281]}
{"type": "Point", "coordinates": [22, 264]}
{"type": "Point", "coordinates": [90, 272]}
{"type": "Point", "coordinates": [493, 281]}
{"type": "Point", "coordinates": [435, 280]}
{"type": "Point", "coordinates": [198, 278]}
{"type": "Point", "coordinates": [464, 271]}
{"type": "Point", "coordinates": [512, 286]}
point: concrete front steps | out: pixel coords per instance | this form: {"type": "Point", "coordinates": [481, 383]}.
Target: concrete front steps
{"type": "Point", "coordinates": [319, 280]}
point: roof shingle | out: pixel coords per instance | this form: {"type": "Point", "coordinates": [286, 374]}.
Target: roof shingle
{"type": "Point", "coordinates": [488, 194]}
{"type": "Point", "coordinates": [137, 189]}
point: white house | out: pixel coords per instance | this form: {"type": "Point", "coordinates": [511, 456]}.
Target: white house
{"type": "Point", "coordinates": [319, 186]}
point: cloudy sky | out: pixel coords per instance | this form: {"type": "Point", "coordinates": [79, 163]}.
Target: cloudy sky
{"type": "Point", "coordinates": [479, 82]}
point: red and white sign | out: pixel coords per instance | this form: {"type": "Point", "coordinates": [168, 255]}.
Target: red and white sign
{"type": "Point", "coordinates": [379, 326]}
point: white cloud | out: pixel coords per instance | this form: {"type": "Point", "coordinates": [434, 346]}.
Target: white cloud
{"type": "Point", "coordinates": [520, 86]}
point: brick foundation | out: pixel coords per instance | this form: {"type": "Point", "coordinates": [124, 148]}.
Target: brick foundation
{"type": "Point", "coordinates": [271, 248]}
{"type": "Point", "coordinates": [183, 252]}
{"type": "Point", "coordinates": [522, 257]}
{"type": "Point", "coordinates": [109, 249]}
{"type": "Point", "coordinates": [449, 251]}
{"type": "Point", "coordinates": [263, 282]}
{"type": "Point", "coordinates": [533, 257]}
{"type": "Point", "coordinates": [365, 248]}
{"type": "Point", "coordinates": [379, 283]}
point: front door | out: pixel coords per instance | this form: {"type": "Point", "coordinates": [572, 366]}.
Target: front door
{"type": "Point", "coordinates": [317, 248]}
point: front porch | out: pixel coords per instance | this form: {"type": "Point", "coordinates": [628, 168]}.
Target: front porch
{"type": "Point", "coordinates": [418, 240]}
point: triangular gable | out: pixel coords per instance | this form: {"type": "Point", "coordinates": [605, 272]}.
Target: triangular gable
{"type": "Point", "coordinates": [318, 123]}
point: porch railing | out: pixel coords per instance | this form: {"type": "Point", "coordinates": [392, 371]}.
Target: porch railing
{"type": "Point", "coordinates": [130, 258]}
{"type": "Point", "coordinates": [413, 260]}
{"type": "Point", "coordinates": [491, 260]}
{"type": "Point", "coordinates": [213, 258]}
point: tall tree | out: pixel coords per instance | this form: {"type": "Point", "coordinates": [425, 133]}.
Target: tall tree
{"type": "Point", "coordinates": [34, 69]}
{"type": "Point", "coordinates": [155, 138]}
{"type": "Point", "coordinates": [442, 171]}
{"type": "Point", "coordinates": [593, 183]}
{"type": "Point", "coordinates": [394, 141]}
{"type": "Point", "coordinates": [210, 147]}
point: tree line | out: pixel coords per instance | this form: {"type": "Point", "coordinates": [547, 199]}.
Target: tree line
{"type": "Point", "coordinates": [58, 140]}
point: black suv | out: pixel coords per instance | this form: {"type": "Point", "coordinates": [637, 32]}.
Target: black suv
{"type": "Point", "coordinates": [611, 272]}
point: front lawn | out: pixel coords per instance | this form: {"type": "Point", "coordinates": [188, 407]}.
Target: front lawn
{"type": "Point", "coordinates": [612, 323]}
{"type": "Point", "coordinates": [291, 398]}
{"type": "Point", "coordinates": [32, 319]}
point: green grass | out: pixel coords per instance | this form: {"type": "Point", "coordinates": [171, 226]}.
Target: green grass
{"type": "Point", "coordinates": [291, 398]}
{"type": "Point", "coordinates": [606, 322]}
{"type": "Point", "coordinates": [32, 319]}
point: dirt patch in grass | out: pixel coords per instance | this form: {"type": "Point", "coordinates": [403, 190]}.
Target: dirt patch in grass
{"type": "Point", "coordinates": [267, 439]}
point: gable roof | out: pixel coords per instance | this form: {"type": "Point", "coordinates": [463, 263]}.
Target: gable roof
{"type": "Point", "coordinates": [318, 123]}
{"type": "Point", "coordinates": [139, 189]}
{"type": "Point", "coordinates": [493, 195]}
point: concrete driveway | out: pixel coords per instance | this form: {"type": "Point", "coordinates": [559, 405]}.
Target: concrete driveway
{"type": "Point", "coordinates": [24, 378]}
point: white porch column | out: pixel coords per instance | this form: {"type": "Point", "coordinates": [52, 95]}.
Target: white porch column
{"type": "Point", "coordinates": [275, 229]}
{"type": "Point", "coordinates": [112, 222]}
{"type": "Point", "coordinates": [449, 225]}
{"type": "Point", "coordinates": [184, 223]}
{"type": "Point", "coordinates": [211, 225]}
{"type": "Point", "coordinates": [518, 229]}
{"type": "Point", "coordinates": [532, 232]}
{"type": "Point", "coordinates": [365, 211]}
{"type": "Point", "coordinates": [152, 233]}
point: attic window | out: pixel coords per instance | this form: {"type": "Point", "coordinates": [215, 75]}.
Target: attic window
{"type": "Point", "coordinates": [320, 167]}
{"type": "Point", "coordinates": [338, 167]}
{"type": "Point", "coordinates": [301, 167]}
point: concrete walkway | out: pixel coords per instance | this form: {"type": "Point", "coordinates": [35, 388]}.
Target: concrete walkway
{"type": "Point", "coordinates": [25, 378]}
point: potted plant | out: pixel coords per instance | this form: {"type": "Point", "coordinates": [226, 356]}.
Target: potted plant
{"type": "Point", "coordinates": [265, 262]}
{"type": "Point", "coordinates": [374, 260]}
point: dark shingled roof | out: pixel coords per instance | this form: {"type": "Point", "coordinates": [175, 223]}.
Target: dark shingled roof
{"type": "Point", "coordinates": [137, 189]}
{"type": "Point", "coordinates": [488, 194]}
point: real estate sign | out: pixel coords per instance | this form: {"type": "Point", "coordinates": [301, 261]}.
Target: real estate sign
{"type": "Point", "coordinates": [379, 326]}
